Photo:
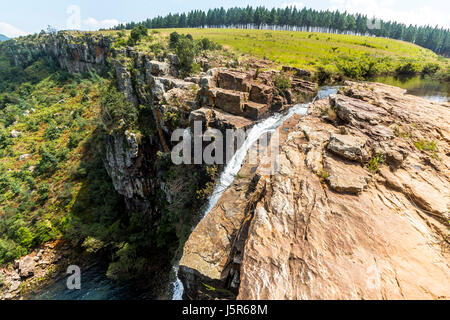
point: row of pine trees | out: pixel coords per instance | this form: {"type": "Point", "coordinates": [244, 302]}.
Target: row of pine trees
{"type": "Point", "coordinates": [291, 18]}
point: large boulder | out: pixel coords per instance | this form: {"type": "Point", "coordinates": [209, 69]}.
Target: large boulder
{"type": "Point", "coordinates": [26, 266]}
{"type": "Point", "coordinates": [349, 147]}
{"type": "Point", "coordinates": [354, 110]}
{"type": "Point", "coordinates": [344, 176]}
{"type": "Point", "coordinates": [226, 100]}
{"type": "Point", "coordinates": [261, 93]}
{"type": "Point", "coordinates": [157, 68]}
{"type": "Point", "coordinates": [296, 71]}
{"type": "Point", "coordinates": [234, 80]}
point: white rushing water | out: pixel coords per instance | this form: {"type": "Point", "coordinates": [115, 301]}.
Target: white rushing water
{"type": "Point", "coordinates": [177, 286]}
{"type": "Point", "coordinates": [268, 125]}
{"type": "Point", "coordinates": [234, 165]}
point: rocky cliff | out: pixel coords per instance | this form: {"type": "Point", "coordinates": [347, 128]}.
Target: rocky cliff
{"type": "Point", "coordinates": [76, 53]}
{"type": "Point", "coordinates": [358, 209]}
{"type": "Point", "coordinates": [219, 96]}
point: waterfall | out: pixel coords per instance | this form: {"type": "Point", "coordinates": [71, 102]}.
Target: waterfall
{"type": "Point", "coordinates": [234, 165]}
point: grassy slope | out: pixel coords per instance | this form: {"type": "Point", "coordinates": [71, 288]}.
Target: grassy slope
{"type": "Point", "coordinates": [337, 54]}
{"type": "Point", "coordinates": [68, 193]}
{"type": "Point", "coordinates": [305, 49]}
{"type": "Point", "coordinates": [309, 50]}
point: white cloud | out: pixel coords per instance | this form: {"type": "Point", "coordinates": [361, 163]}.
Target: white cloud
{"type": "Point", "coordinates": [10, 31]}
{"type": "Point", "coordinates": [384, 9]}
{"type": "Point", "coordinates": [94, 24]}
{"type": "Point", "coordinates": [296, 4]}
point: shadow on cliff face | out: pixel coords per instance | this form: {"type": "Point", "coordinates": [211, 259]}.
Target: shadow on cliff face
{"type": "Point", "coordinates": [201, 287]}
{"type": "Point", "coordinates": [100, 226]}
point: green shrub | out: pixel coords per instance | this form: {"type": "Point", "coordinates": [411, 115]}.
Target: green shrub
{"type": "Point", "coordinates": [116, 110]}
{"type": "Point", "coordinates": [50, 159]}
{"type": "Point", "coordinates": [9, 251]}
{"type": "Point", "coordinates": [25, 237]}
{"type": "Point", "coordinates": [326, 72]}
{"type": "Point", "coordinates": [186, 51]}
{"type": "Point", "coordinates": [408, 68]}
{"type": "Point", "coordinates": [74, 139]}
{"type": "Point", "coordinates": [426, 145]}
{"type": "Point", "coordinates": [128, 264]}
{"type": "Point", "coordinates": [43, 191]}
{"type": "Point", "coordinates": [430, 68]}
{"type": "Point", "coordinates": [120, 43]}
{"type": "Point", "coordinates": [173, 39]}
{"type": "Point", "coordinates": [207, 44]}
{"type": "Point", "coordinates": [358, 67]}
{"type": "Point", "coordinates": [137, 34]}
{"type": "Point", "coordinates": [52, 132]}
{"type": "Point", "coordinates": [5, 139]}
{"type": "Point", "coordinates": [92, 245]}
{"type": "Point", "coordinates": [32, 125]}
{"type": "Point", "coordinates": [44, 232]}
{"type": "Point", "coordinates": [171, 118]}
{"type": "Point", "coordinates": [283, 82]}
{"type": "Point", "coordinates": [374, 164]}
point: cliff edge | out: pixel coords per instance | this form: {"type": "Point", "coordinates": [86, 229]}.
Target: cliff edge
{"type": "Point", "coordinates": [358, 209]}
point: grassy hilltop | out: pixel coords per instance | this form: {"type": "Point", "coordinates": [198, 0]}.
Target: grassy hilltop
{"type": "Point", "coordinates": [355, 57]}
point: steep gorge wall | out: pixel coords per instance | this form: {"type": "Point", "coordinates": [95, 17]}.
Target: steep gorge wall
{"type": "Point", "coordinates": [74, 53]}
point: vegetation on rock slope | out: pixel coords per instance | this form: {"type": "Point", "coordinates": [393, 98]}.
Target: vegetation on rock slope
{"type": "Point", "coordinates": [53, 182]}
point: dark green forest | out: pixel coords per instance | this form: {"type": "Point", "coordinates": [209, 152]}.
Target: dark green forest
{"type": "Point", "coordinates": [290, 18]}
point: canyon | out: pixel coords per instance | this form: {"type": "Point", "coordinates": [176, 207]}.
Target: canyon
{"type": "Point", "coordinates": [358, 207]}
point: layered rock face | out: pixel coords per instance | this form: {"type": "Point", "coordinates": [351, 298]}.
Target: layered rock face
{"type": "Point", "coordinates": [358, 209]}
{"type": "Point", "coordinates": [251, 95]}
{"type": "Point", "coordinates": [220, 98]}
{"type": "Point", "coordinates": [74, 53]}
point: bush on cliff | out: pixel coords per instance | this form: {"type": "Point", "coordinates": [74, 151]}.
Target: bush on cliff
{"type": "Point", "coordinates": [116, 111]}
{"type": "Point", "coordinates": [186, 50]}
{"type": "Point", "coordinates": [173, 39]}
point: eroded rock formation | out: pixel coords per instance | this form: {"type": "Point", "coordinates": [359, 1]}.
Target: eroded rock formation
{"type": "Point", "coordinates": [76, 53]}
{"type": "Point", "coordinates": [358, 209]}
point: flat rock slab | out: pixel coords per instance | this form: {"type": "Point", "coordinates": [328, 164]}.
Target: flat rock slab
{"type": "Point", "coordinates": [345, 176]}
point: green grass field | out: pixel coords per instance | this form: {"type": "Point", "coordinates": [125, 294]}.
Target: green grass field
{"type": "Point", "coordinates": [352, 56]}
{"type": "Point", "coordinates": [305, 49]}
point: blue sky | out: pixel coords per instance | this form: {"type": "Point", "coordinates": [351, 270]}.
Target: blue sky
{"type": "Point", "coordinates": [29, 16]}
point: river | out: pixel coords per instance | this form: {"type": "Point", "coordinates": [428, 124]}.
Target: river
{"type": "Point", "coordinates": [434, 90]}
{"type": "Point", "coordinates": [95, 284]}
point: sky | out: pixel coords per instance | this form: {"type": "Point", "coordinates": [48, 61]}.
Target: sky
{"type": "Point", "coordinates": [21, 17]}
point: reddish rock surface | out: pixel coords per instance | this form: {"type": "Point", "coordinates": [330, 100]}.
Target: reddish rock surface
{"type": "Point", "coordinates": [325, 226]}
